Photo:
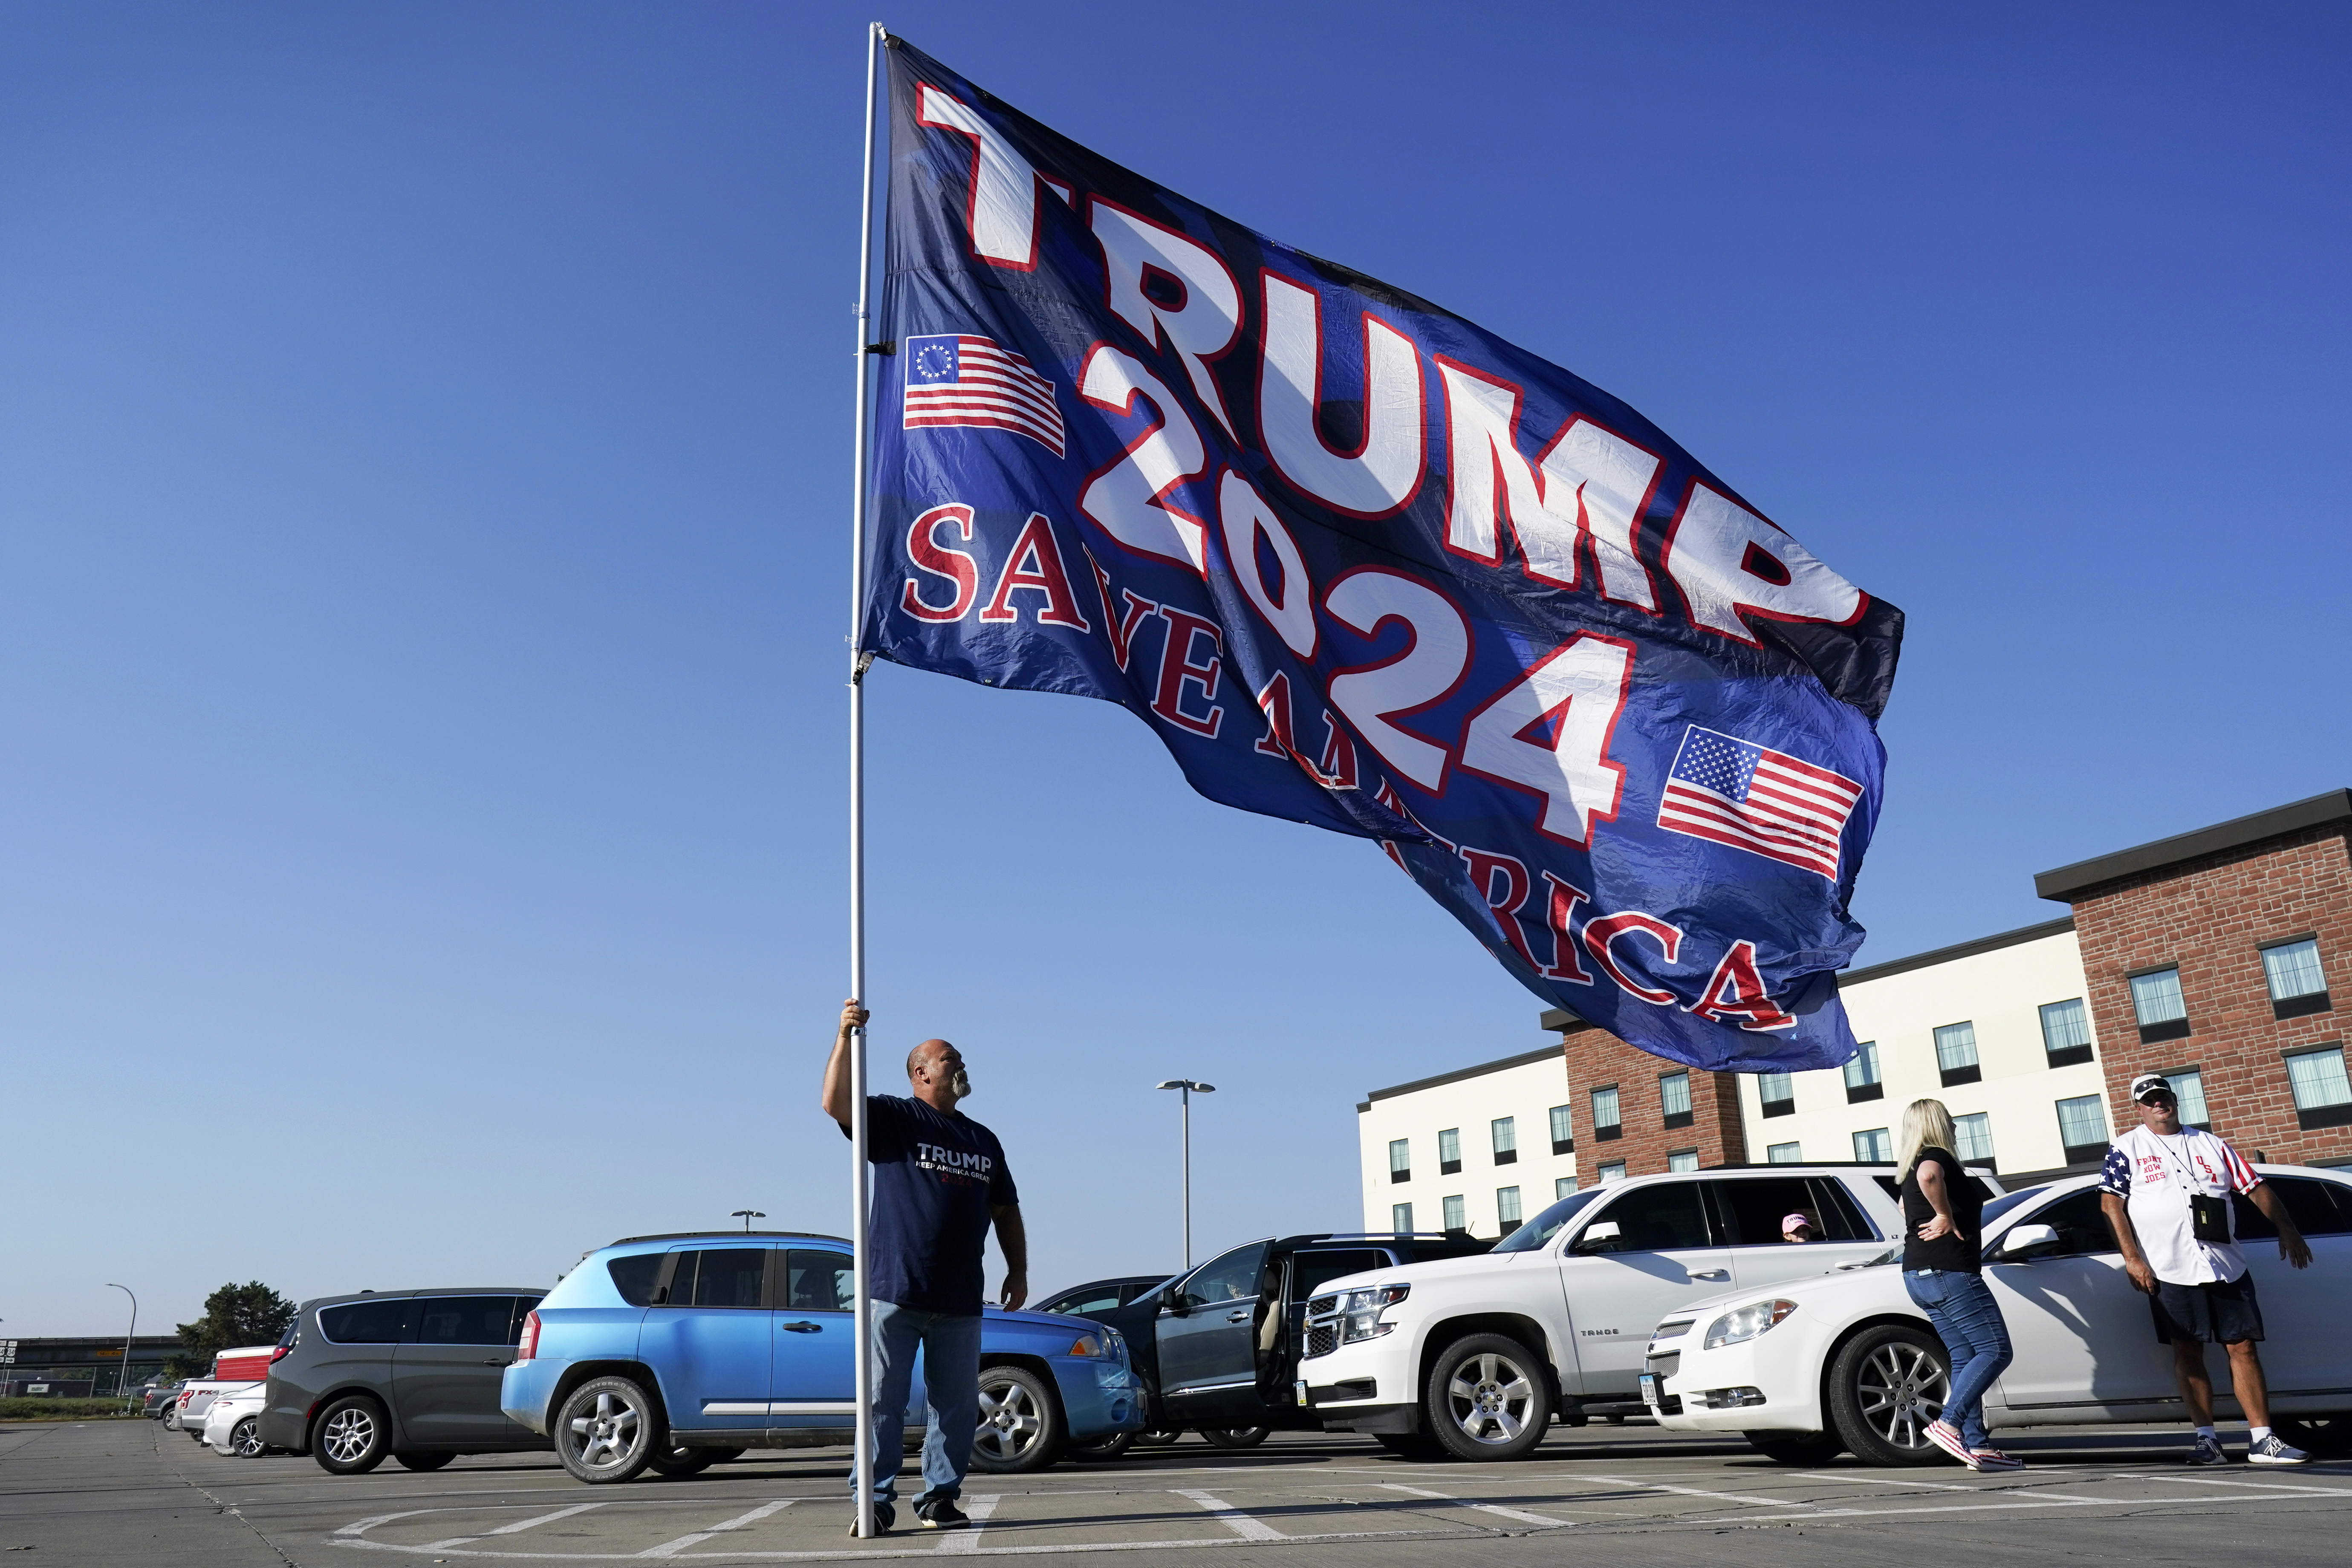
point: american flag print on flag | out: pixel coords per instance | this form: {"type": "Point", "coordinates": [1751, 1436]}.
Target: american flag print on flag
{"type": "Point", "coordinates": [955, 378]}
{"type": "Point", "coordinates": [1752, 798]}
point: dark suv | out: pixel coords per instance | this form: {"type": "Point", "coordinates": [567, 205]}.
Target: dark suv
{"type": "Point", "coordinates": [412, 1374]}
{"type": "Point", "coordinates": [1218, 1348]}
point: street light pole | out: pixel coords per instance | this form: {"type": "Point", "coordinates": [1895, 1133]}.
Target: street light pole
{"type": "Point", "coordinates": [1187, 1088]}
{"type": "Point", "coordinates": [122, 1378]}
{"type": "Point", "coordinates": [746, 1216]}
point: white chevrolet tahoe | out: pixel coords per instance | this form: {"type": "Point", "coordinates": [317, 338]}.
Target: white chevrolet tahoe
{"type": "Point", "coordinates": [1478, 1355]}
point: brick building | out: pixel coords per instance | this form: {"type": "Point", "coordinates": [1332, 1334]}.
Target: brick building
{"type": "Point", "coordinates": [2210, 955]}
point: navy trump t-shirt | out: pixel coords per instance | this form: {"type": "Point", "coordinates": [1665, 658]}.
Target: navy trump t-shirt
{"type": "Point", "coordinates": [936, 1175]}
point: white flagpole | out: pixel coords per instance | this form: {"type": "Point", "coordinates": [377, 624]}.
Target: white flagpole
{"type": "Point", "coordinates": [862, 1318]}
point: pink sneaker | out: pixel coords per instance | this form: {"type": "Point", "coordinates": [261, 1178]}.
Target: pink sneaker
{"type": "Point", "coordinates": [1946, 1436]}
{"type": "Point", "coordinates": [1993, 1460]}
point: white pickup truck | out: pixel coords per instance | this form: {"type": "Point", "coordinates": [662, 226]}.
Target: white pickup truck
{"type": "Point", "coordinates": [1478, 1355]}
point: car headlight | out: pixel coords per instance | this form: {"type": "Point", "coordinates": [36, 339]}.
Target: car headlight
{"type": "Point", "coordinates": [1360, 1312]}
{"type": "Point", "coordinates": [1746, 1322]}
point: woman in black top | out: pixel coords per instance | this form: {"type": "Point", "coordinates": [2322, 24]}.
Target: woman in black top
{"type": "Point", "coordinates": [1943, 1269]}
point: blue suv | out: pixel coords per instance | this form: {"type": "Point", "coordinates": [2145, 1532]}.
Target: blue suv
{"type": "Point", "coordinates": [677, 1351]}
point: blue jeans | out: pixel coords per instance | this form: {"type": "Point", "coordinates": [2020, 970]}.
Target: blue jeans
{"type": "Point", "coordinates": [950, 1348]}
{"type": "Point", "coordinates": [1968, 1319]}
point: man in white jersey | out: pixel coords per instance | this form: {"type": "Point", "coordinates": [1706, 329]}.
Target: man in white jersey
{"type": "Point", "coordinates": [2166, 1190]}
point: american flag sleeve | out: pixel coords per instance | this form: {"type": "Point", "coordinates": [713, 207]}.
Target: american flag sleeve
{"type": "Point", "coordinates": [2115, 1174]}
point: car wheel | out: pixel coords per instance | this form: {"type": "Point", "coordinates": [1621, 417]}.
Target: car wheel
{"type": "Point", "coordinates": [680, 1460]}
{"type": "Point", "coordinates": [1235, 1437]}
{"type": "Point", "coordinates": [245, 1439]}
{"type": "Point", "coordinates": [1887, 1384]}
{"type": "Point", "coordinates": [354, 1436]}
{"type": "Point", "coordinates": [2326, 1436]}
{"type": "Point", "coordinates": [607, 1431]}
{"type": "Point", "coordinates": [1486, 1398]}
{"type": "Point", "coordinates": [1160, 1437]}
{"type": "Point", "coordinates": [1795, 1448]}
{"type": "Point", "coordinates": [1101, 1449]}
{"type": "Point", "coordinates": [1416, 1446]}
{"type": "Point", "coordinates": [1020, 1424]}
{"type": "Point", "coordinates": [425, 1459]}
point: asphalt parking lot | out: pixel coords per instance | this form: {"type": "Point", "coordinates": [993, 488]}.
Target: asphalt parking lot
{"type": "Point", "coordinates": [124, 1492]}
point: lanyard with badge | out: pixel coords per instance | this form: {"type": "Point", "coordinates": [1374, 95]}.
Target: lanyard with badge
{"type": "Point", "coordinates": [2209, 1217]}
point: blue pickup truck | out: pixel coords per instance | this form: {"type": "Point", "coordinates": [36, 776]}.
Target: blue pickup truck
{"type": "Point", "coordinates": [677, 1351]}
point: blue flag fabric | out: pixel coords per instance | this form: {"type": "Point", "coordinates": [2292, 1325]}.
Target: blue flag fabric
{"type": "Point", "coordinates": [1364, 565]}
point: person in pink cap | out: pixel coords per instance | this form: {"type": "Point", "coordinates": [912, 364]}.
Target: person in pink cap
{"type": "Point", "coordinates": [1799, 1227]}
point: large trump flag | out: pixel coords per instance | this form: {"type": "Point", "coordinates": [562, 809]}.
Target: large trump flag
{"type": "Point", "coordinates": [1364, 565]}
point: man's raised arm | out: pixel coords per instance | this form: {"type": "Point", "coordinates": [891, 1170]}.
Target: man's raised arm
{"type": "Point", "coordinates": [837, 1101]}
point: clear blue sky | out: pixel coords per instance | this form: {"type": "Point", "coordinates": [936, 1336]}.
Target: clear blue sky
{"type": "Point", "coordinates": [422, 473]}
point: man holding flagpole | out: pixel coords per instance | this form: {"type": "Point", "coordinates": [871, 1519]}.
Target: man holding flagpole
{"type": "Point", "coordinates": [940, 1182]}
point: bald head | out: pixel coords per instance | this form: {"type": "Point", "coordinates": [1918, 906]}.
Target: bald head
{"type": "Point", "coordinates": [936, 1070]}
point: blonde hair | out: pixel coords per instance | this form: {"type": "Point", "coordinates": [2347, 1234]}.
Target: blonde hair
{"type": "Point", "coordinates": [1927, 1124]}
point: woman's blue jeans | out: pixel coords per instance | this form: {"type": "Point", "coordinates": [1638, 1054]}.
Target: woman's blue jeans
{"type": "Point", "coordinates": [1968, 1319]}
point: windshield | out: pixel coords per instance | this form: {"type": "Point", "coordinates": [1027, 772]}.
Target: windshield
{"type": "Point", "coordinates": [2008, 1201]}
{"type": "Point", "coordinates": [1546, 1225]}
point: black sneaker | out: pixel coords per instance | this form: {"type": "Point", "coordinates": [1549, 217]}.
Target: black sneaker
{"type": "Point", "coordinates": [942, 1513]}
{"type": "Point", "coordinates": [885, 1516]}
{"type": "Point", "coordinates": [2207, 1451]}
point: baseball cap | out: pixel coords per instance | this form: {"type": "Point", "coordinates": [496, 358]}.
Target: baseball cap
{"type": "Point", "coordinates": [1789, 1222]}
{"type": "Point", "coordinates": [2147, 1083]}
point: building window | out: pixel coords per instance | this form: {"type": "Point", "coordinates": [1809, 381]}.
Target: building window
{"type": "Point", "coordinates": [2082, 1129]}
{"type": "Point", "coordinates": [1505, 1132]}
{"type": "Point", "coordinates": [1613, 1172]}
{"type": "Point", "coordinates": [1784, 1154]}
{"type": "Point", "coordinates": [1401, 1217]}
{"type": "Point", "coordinates": [1456, 1219]}
{"type": "Point", "coordinates": [1956, 1054]}
{"type": "Point", "coordinates": [1683, 1160]}
{"type": "Point", "coordinates": [1563, 1131]}
{"type": "Point", "coordinates": [1400, 1158]}
{"type": "Point", "coordinates": [1506, 1208]}
{"type": "Point", "coordinates": [1674, 1098]}
{"type": "Point", "coordinates": [1778, 1093]}
{"type": "Point", "coordinates": [2189, 1090]}
{"type": "Point", "coordinates": [1449, 1151]}
{"type": "Point", "coordinates": [2155, 999]}
{"type": "Point", "coordinates": [1861, 1074]}
{"type": "Point", "coordinates": [1562, 1187]}
{"type": "Point", "coordinates": [1874, 1147]}
{"type": "Point", "coordinates": [1605, 1124]}
{"type": "Point", "coordinates": [2323, 1097]}
{"type": "Point", "coordinates": [2298, 985]}
{"type": "Point", "coordinates": [2066, 1033]}
{"type": "Point", "coordinates": [1975, 1138]}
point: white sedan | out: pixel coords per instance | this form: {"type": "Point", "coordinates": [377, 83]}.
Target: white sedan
{"type": "Point", "coordinates": [230, 1424]}
{"type": "Point", "coordinates": [1844, 1362]}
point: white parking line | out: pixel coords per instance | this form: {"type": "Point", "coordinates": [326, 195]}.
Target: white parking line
{"type": "Point", "coordinates": [1687, 1491]}
{"type": "Point", "coordinates": [2266, 1485]}
{"type": "Point", "coordinates": [1521, 1515]}
{"type": "Point", "coordinates": [519, 1525]}
{"type": "Point", "coordinates": [1232, 1518]}
{"type": "Point", "coordinates": [672, 1548]}
{"type": "Point", "coordinates": [980, 1511]}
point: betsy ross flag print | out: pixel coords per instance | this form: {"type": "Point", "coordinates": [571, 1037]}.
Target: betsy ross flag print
{"type": "Point", "coordinates": [959, 379]}
{"type": "Point", "coordinates": [1754, 798]}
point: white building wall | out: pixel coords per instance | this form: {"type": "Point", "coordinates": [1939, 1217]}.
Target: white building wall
{"type": "Point", "coordinates": [2000, 992]}
{"type": "Point", "coordinates": [1522, 1090]}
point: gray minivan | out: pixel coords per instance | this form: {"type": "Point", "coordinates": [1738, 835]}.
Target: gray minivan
{"type": "Point", "coordinates": [412, 1374]}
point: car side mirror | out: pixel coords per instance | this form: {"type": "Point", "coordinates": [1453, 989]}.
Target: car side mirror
{"type": "Point", "coordinates": [1171, 1305]}
{"type": "Point", "coordinates": [1599, 1236]}
{"type": "Point", "coordinates": [2026, 1240]}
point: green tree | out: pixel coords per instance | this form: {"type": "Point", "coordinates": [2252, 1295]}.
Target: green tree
{"type": "Point", "coordinates": [248, 1314]}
